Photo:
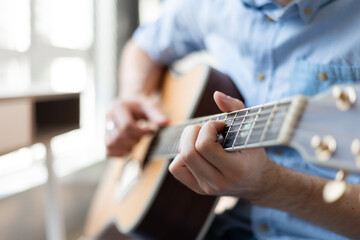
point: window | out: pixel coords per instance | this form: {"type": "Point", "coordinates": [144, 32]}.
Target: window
{"type": "Point", "coordinates": [45, 44]}
{"type": "Point", "coordinates": [14, 41]}
{"type": "Point", "coordinates": [149, 10]}
{"type": "Point", "coordinates": [34, 35]}
{"type": "Point", "coordinates": [15, 25]}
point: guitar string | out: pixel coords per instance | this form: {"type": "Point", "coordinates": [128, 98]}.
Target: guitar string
{"type": "Point", "coordinates": [213, 117]}
{"type": "Point", "coordinates": [252, 121]}
{"type": "Point", "coordinates": [232, 126]}
{"type": "Point", "coordinates": [281, 106]}
{"type": "Point", "coordinates": [171, 145]}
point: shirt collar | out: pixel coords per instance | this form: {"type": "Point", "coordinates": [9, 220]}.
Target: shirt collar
{"type": "Point", "coordinates": [307, 9]}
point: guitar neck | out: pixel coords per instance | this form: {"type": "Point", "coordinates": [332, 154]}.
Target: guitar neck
{"type": "Point", "coordinates": [265, 125]}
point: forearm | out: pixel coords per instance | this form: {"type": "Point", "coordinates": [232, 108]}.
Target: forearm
{"type": "Point", "coordinates": [301, 195]}
{"type": "Point", "coordinates": [139, 75]}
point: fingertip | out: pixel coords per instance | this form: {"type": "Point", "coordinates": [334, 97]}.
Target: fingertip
{"type": "Point", "coordinates": [159, 117]}
{"type": "Point", "coordinates": [174, 163]}
{"type": "Point", "coordinates": [218, 125]}
{"type": "Point", "coordinates": [219, 96]}
{"type": "Point", "coordinates": [221, 124]}
{"type": "Point", "coordinates": [163, 121]}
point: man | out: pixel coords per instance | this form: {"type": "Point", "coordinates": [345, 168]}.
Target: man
{"type": "Point", "coordinates": [271, 50]}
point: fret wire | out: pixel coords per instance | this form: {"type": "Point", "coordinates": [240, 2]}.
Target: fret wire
{"type": "Point", "coordinates": [250, 121]}
{"type": "Point", "coordinates": [253, 114]}
{"type": "Point", "coordinates": [258, 134]}
{"type": "Point", "coordinates": [253, 122]}
{"type": "Point", "coordinates": [255, 127]}
{"type": "Point", "coordinates": [170, 139]}
{"type": "Point", "coordinates": [226, 132]}
{"type": "Point", "coordinates": [166, 145]}
{"type": "Point", "coordinates": [251, 129]}
{"type": "Point", "coordinates": [198, 120]}
{"type": "Point", "coordinates": [180, 128]}
{"type": "Point", "coordinates": [178, 133]}
{"type": "Point", "coordinates": [237, 133]}
{"type": "Point", "coordinates": [268, 123]}
{"type": "Point", "coordinates": [173, 133]}
{"type": "Point", "coordinates": [259, 119]}
{"type": "Point", "coordinates": [266, 111]}
{"type": "Point", "coordinates": [168, 134]}
{"type": "Point", "coordinates": [163, 147]}
{"type": "Point", "coordinates": [172, 143]}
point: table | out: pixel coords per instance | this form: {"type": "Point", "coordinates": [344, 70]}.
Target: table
{"type": "Point", "coordinates": [36, 116]}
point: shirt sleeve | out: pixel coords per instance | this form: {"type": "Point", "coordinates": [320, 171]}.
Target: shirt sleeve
{"type": "Point", "coordinates": [174, 34]}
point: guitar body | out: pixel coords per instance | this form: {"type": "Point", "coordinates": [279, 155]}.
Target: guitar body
{"type": "Point", "coordinates": [138, 197]}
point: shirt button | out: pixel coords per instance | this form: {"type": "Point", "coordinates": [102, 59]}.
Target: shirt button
{"type": "Point", "coordinates": [269, 19]}
{"type": "Point", "coordinates": [322, 76]}
{"type": "Point", "coordinates": [308, 10]}
{"type": "Point", "coordinates": [260, 76]}
{"type": "Point", "coordinates": [263, 227]}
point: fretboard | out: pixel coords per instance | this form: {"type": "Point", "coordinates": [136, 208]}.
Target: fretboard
{"type": "Point", "coordinates": [265, 125]}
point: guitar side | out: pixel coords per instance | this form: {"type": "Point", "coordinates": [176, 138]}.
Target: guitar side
{"type": "Point", "coordinates": [156, 199]}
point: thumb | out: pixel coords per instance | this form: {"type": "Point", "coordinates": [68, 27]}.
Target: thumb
{"type": "Point", "coordinates": [227, 103]}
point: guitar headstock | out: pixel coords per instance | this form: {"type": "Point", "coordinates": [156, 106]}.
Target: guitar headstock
{"type": "Point", "coordinates": [328, 132]}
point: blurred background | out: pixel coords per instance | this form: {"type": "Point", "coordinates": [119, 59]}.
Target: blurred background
{"type": "Point", "coordinates": [63, 46]}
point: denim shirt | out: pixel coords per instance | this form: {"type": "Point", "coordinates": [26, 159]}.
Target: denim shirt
{"type": "Point", "coordinates": [270, 52]}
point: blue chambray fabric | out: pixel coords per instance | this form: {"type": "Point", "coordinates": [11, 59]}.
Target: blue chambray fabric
{"type": "Point", "coordinates": [305, 38]}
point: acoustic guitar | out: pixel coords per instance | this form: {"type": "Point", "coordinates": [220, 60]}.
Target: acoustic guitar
{"type": "Point", "coordinates": [139, 198]}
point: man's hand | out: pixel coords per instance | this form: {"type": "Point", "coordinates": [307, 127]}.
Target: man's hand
{"type": "Point", "coordinates": [126, 130]}
{"type": "Point", "coordinates": [204, 166]}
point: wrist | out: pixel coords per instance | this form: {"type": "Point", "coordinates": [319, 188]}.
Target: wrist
{"type": "Point", "coordinates": [289, 190]}
{"type": "Point", "coordinates": [269, 184]}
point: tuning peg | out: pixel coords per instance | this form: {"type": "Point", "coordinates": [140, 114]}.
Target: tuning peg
{"type": "Point", "coordinates": [324, 147]}
{"type": "Point", "coordinates": [341, 175]}
{"type": "Point", "coordinates": [345, 98]}
{"type": "Point", "coordinates": [355, 149]}
{"type": "Point", "coordinates": [335, 189]}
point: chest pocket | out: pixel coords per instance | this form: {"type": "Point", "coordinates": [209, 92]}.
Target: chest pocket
{"type": "Point", "coordinates": [309, 78]}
